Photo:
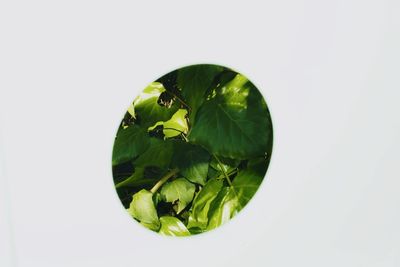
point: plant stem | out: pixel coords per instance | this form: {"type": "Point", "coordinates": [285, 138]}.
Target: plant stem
{"type": "Point", "coordinates": [180, 100]}
{"type": "Point", "coordinates": [163, 180]}
{"type": "Point", "coordinates": [223, 170]}
{"type": "Point", "coordinates": [182, 133]}
{"type": "Point", "coordinates": [174, 130]}
{"type": "Point", "coordinates": [226, 176]}
{"type": "Point", "coordinates": [229, 174]}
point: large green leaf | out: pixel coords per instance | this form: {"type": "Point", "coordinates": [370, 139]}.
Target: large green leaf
{"type": "Point", "coordinates": [223, 208]}
{"type": "Point", "coordinates": [194, 82]}
{"type": "Point", "coordinates": [158, 154]}
{"type": "Point", "coordinates": [201, 204]}
{"type": "Point", "coordinates": [173, 227]}
{"type": "Point", "coordinates": [234, 123]}
{"type": "Point", "coordinates": [147, 109]}
{"type": "Point", "coordinates": [192, 161]}
{"type": "Point", "coordinates": [175, 126]}
{"type": "Point", "coordinates": [142, 209]}
{"type": "Point", "coordinates": [248, 180]}
{"type": "Point", "coordinates": [130, 143]}
{"type": "Point", "coordinates": [179, 191]}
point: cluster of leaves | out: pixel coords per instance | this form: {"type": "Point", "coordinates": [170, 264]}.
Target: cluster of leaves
{"type": "Point", "coordinates": [192, 150]}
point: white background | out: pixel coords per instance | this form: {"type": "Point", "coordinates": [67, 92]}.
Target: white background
{"type": "Point", "coordinates": [329, 71]}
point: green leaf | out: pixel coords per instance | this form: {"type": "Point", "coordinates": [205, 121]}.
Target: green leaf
{"type": "Point", "coordinates": [158, 154]}
{"type": "Point", "coordinates": [172, 226]}
{"type": "Point", "coordinates": [175, 126]}
{"type": "Point", "coordinates": [213, 173]}
{"type": "Point", "coordinates": [227, 165]}
{"type": "Point", "coordinates": [248, 180]}
{"type": "Point", "coordinates": [205, 124]}
{"type": "Point", "coordinates": [157, 198]}
{"type": "Point", "coordinates": [223, 208]}
{"type": "Point", "coordinates": [194, 82]}
{"type": "Point", "coordinates": [201, 204]}
{"type": "Point", "coordinates": [134, 180]}
{"type": "Point", "coordinates": [146, 106]}
{"type": "Point", "coordinates": [129, 143]}
{"type": "Point", "coordinates": [141, 177]}
{"type": "Point", "coordinates": [180, 191]}
{"type": "Point", "coordinates": [231, 200]}
{"type": "Point", "coordinates": [131, 110]}
{"type": "Point", "coordinates": [142, 209]}
{"type": "Point", "coordinates": [192, 161]}
{"type": "Point", "coordinates": [235, 123]}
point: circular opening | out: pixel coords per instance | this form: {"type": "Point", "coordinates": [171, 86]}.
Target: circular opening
{"type": "Point", "coordinates": [192, 150]}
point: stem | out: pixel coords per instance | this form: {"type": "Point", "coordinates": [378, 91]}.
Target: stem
{"type": "Point", "coordinates": [229, 174]}
{"type": "Point", "coordinates": [182, 133]}
{"type": "Point", "coordinates": [226, 175]}
{"type": "Point", "coordinates": [180, 100]}
{"type": "Point", "coordinates": [223, 171]}
{"type": "Point", "coordinates": [184, 137]}
{"type": "Point", "coordinates": [163, 180]}
{"type": "Point", "coordinates": [174, 130]}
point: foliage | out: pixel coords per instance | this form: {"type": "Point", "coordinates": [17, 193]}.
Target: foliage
{"type": "Point", "coordinates": [192, 150]}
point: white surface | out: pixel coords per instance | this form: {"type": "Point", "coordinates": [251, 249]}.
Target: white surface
{"type": "Point", "coordinates": [7, 256]}
{"type": "Point", "coordinates": [329, 71]}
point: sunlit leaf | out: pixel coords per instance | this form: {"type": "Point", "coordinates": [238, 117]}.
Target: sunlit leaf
{"type": "Point", "coordinates": [179, 191]}
{"type": "Point", "coordinates": [201, 204]}
{"type": "Point", "coordinates": [175, 126]}
{"type": "Point", "coordinates": [142, 209]}
{"type": "Point", "coordinates": [223, 208]}
{"type": "Point", "coordinates": [131, 110]}
{"type": "Point", "coordinates": [172, 226]}
{"type": "Point", "coordinates": [147, 109]}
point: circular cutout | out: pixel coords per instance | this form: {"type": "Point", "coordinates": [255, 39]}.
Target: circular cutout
{"type": "Point", "coordinates": [192, 150]}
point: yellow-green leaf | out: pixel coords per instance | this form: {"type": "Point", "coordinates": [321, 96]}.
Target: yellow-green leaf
{"type": "Point", "coordinates": [174, 126]}
{"type": "Point", "coordinates": [179, 192]}
{"type": "Point", "coordinates": [142, 209]}
{"type": "Point", "coordinates": [172, 226]}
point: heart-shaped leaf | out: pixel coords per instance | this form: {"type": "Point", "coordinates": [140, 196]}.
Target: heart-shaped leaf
{"type": "Point", "coordinates": [194, 82]}
{"type": "Point", "coordinates": [158, 154]}
{"type": "Point", "coordinates": [142, 209]}
{"type": "Point", "coordinates": [129, 143]}
{"type": "Point", "coordinates": [180, 192]}
{"type": "Point", "coordinates": [192, 161]}
{"type": "Point", "coordinates": [175, 126]}
{"type": "Point", "coordinates": [234, 123]}
{"type": "Point", "coordinates": [147, 109]}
